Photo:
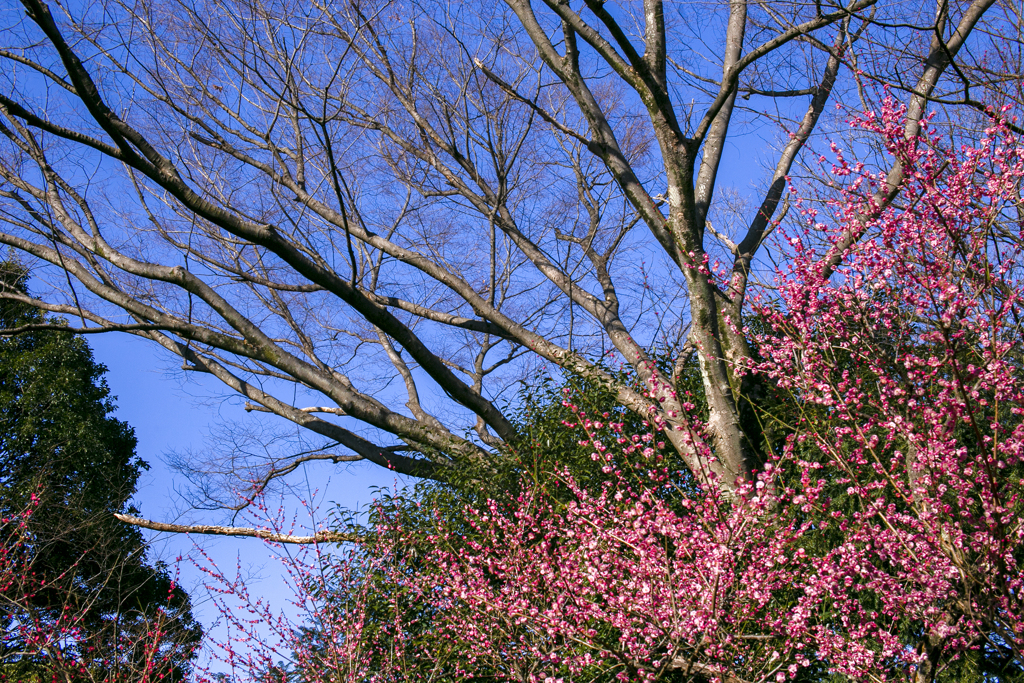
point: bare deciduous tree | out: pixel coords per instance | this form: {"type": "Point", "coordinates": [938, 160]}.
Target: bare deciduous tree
{"type": "Point", "coordinates": [402, 206]}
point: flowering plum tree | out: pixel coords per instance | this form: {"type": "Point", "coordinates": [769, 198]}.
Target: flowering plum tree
{"type": "Point", "coordinates": [903, 355]}
{"type": "Point", "coordinates": [881, 540]}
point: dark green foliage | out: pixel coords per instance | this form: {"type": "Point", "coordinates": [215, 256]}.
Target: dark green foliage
{"type": "Point", "coordinates": [60, 443]}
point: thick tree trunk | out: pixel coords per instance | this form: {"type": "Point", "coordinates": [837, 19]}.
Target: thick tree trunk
{"type": "Point", "coordinates": [931, 650]}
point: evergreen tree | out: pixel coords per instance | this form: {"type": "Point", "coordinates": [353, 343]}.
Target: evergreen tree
{"type": "Point", "coordinates": [68, 462]}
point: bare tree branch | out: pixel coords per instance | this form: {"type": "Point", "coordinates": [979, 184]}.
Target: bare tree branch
{"type": "Point", "coordinates": [265, 534]}
{"type": "Point", "coordinates": [403, 213]}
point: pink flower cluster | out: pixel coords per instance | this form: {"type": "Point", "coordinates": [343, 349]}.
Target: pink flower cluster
{"type": "Point", "coordinates": [904, 360]}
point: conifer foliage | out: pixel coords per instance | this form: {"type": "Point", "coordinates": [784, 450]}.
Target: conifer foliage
{"type": "Point", "coordinates": [79, 600]}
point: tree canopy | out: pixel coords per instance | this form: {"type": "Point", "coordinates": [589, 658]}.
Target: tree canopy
{"type": "Point", "coordinates": [394, 211]}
